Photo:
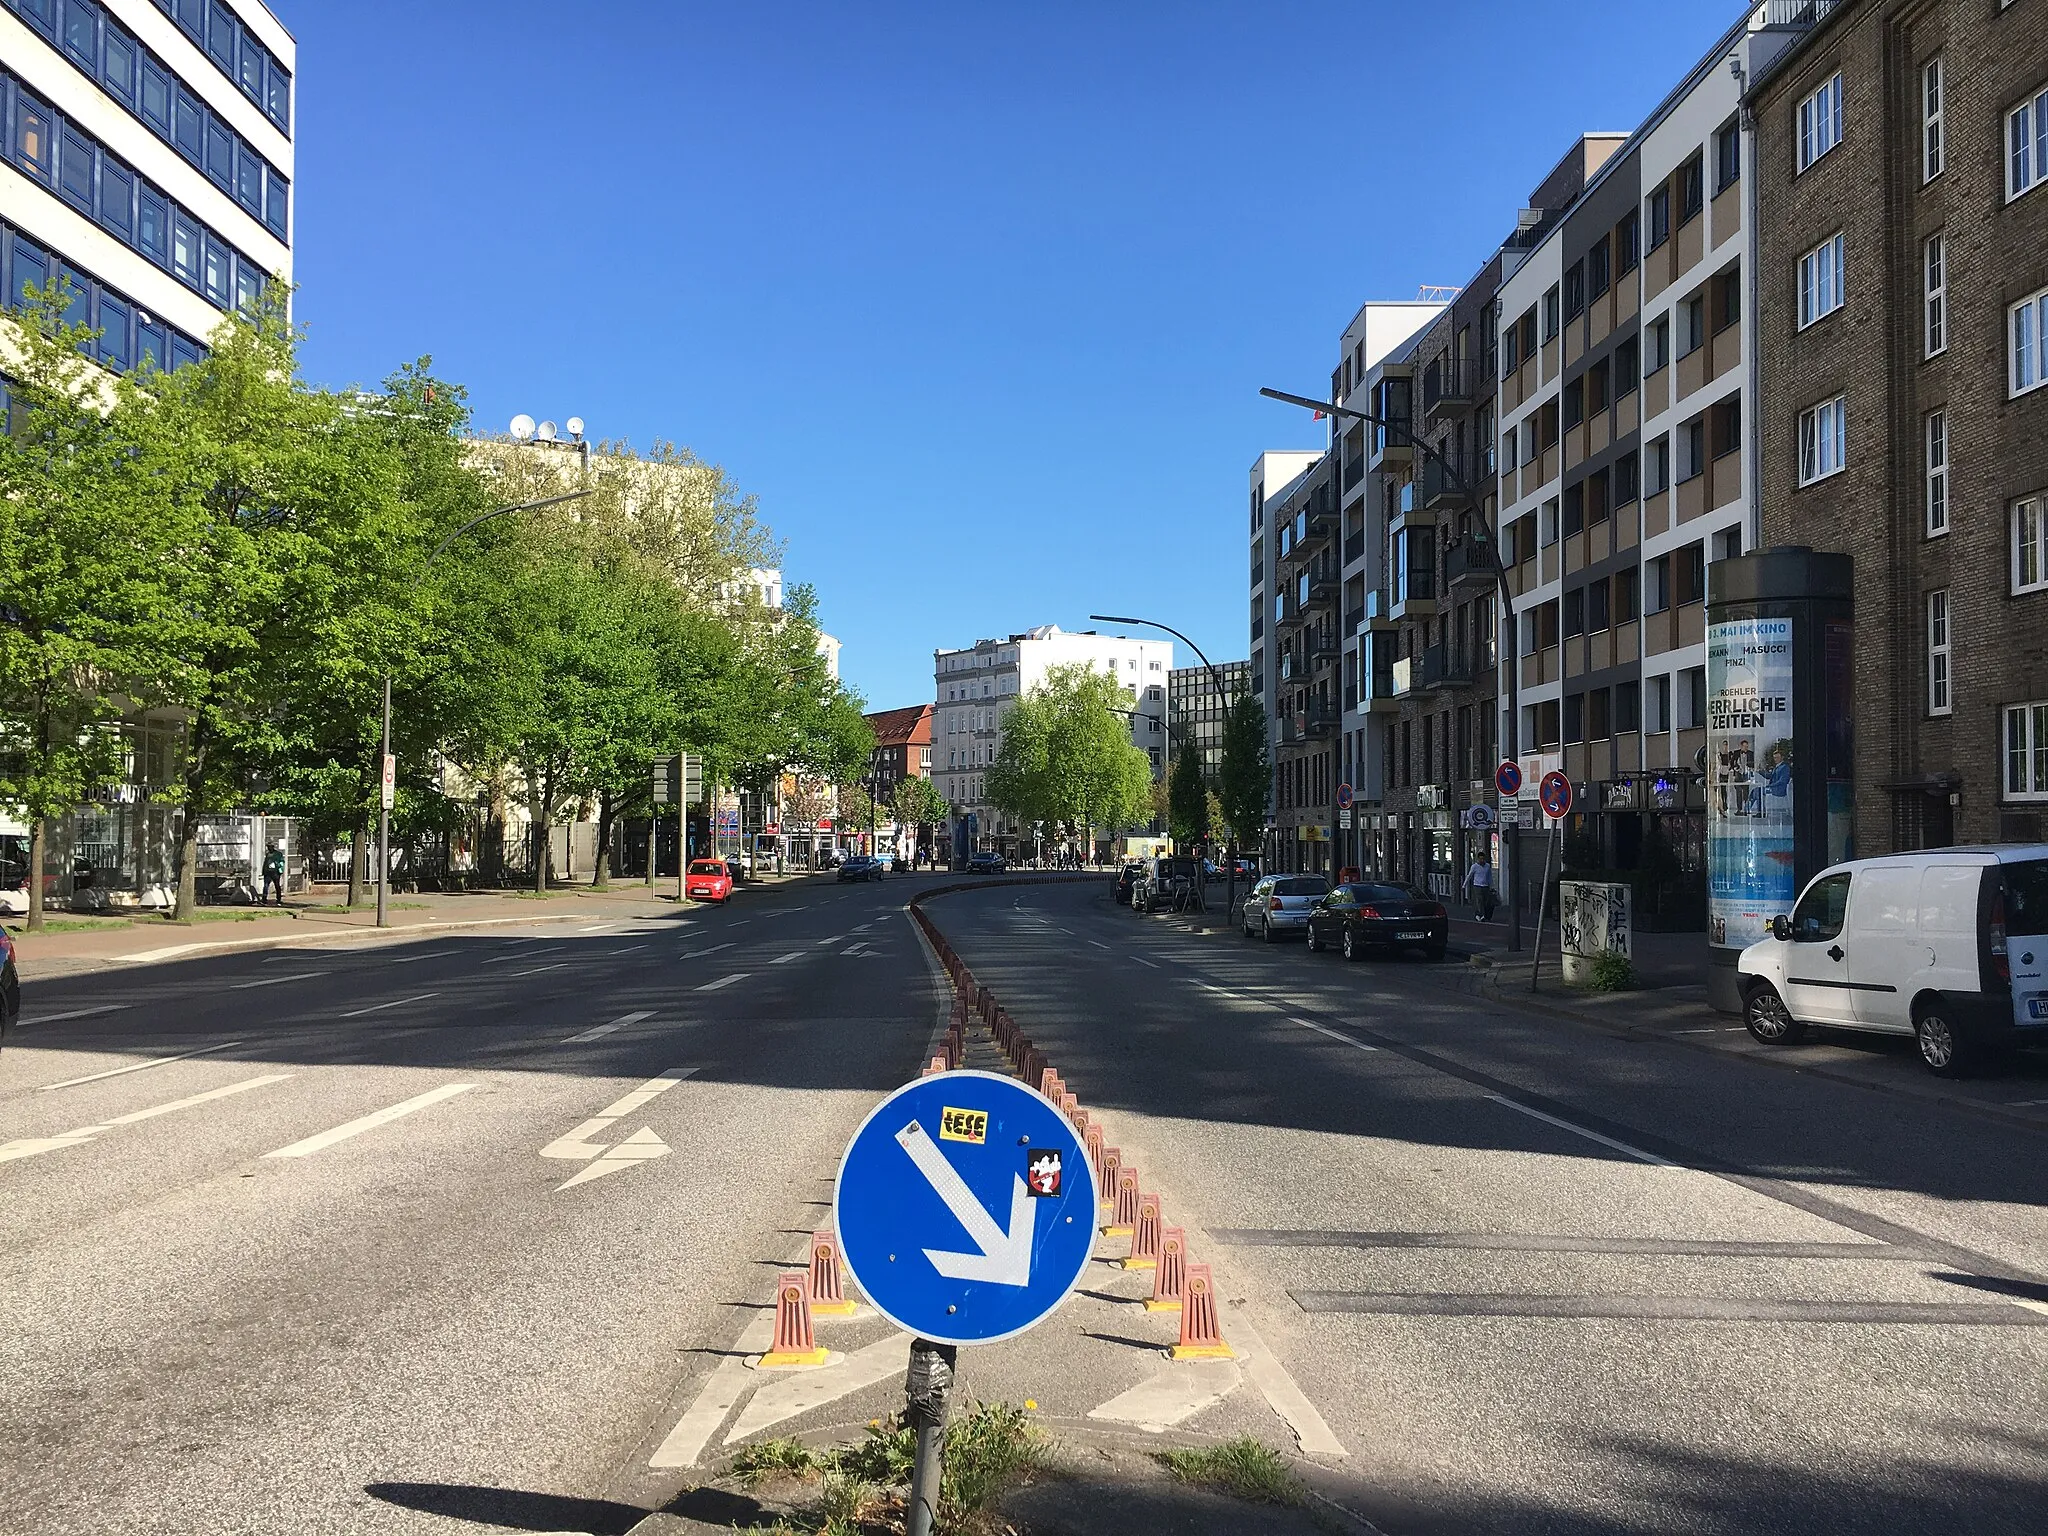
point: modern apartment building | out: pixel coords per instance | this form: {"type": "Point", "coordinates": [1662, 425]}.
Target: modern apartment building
{"type": "Point", "coordinates": [149, 150]}
{"type": "Point", "coordinates": [978, 684]}
{"type": "Point", "coordinates": [1901, 156]}
{"type": "Point", "coordinates": [1274, 475]}
{"type": "Point", "coordinates": [1195, 709]}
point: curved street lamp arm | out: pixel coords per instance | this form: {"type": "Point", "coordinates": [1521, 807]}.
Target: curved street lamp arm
{"type": "Point", "coordinates": [484, 517]}
{"type": "Point", "coordinates": [1214, 676]}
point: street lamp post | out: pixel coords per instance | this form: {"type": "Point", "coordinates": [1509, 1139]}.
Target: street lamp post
{"type": "Point", "coordinates": [1223, 693]}
{"type": "Point", "coordinates": [1507, 609]}
{"type": "Point", "coordinates": [383, 810]}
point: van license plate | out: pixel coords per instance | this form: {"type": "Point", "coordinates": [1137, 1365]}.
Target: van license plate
{"type": "Point", "coordinates": [1415, 936]}
{"type": "Point", "coordinates": [2037, 1008]}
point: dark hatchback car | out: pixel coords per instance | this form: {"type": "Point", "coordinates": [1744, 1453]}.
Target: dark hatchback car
{"type": "Point", "coordinates": [1379, 915]}
{"type": "Point", "coordinates": [986, 862]}
{"type": "Point", "coordinates": [10, 987]}
{"type": "Point", "coordinates": [860, 867]}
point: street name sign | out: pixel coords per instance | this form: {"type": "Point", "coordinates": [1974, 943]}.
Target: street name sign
{"type": "Point", "coordinates": [965, 1206]}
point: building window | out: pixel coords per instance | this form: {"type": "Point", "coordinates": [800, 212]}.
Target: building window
{"type": "Point", "coordinates": [1627, 479]}
{"type": "Point", "coordinates": [1692, 325]}
{"type": "Point", "coordinates": [1656, 466]}
{"type": "Point", "coordinates": [1691, 188]}
{"type": "Point", "coordinates": [1628, 235]}
{"type": "Point", "coordinates": [1728, 543]}
{"type": "Point", "coordinates": [1658, 353]}
{"type": "Point", "coordinates": [1575, 291]}
{"type": "Point", "coordinates": [1933, 143]}
{"type": "Point", "coordinates": [1935, 269]}
{"type": "Point", "coordinates": [1689, 574]}
{"type": "Point", "coordinates": [1937, 473]}
{"type": "Point", "coordinates": [1658, 716]}
{"type": "Point", "coordinates": [1628, 363]}
{"type": "Point", "coordinates": [2026, 137]}
{"type": "Point", "coordinates": [1550, 320]}
{"type": "Point", "coordinates": [2030, 544]}
{"type": "Point", "coordinates": [1823, 440]}
{"type": "Point", "coordinates": [1937, 652]}
{"type": "Point", "coordinates": [1657, 585]}
{"type": "Point", "coordinates": [1692, 698]}
{"type": "Point", "coordinates": [1820, 122]}
{"type": "Point", "coordinates": [1727, 299]}
{"type": "Point", "coordinates": [1660, 217]}
{"type": "Point", "coordinates": [1598, 268]}
{"type": "Point", "coordinates": [1727, 157]}
{"type": "Point", "coordinates": [1692, 448]}
{"type": "Point", "coordinates": [2028, 334]}
{"type": "Point", "coordinates": [2026, 752]}
{"type": "Point", "coordinates": [1727, 419]}
{"type": "Point", "coordinates": [1627, 594]}
{"type": "Point", "coordinates": [1820, 281]}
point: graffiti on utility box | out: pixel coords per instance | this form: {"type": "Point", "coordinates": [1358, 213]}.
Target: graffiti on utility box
{"type": "Point", "coordinates": [1594, 918]}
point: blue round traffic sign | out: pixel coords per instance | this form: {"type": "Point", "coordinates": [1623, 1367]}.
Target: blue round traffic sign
{"type": "Point", "coordinates": [1507, 778]}
{"type": "Point", "coordinates": [965, 1206]}
{"type": "Point", "coordinates": [1556, 793]}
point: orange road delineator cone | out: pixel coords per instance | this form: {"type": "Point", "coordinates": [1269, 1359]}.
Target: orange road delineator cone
{"type": "Point", "coordinates": [828, 1299]}
{"type": "Point", "coordinates": [1084, 1123]}
{"type": "Point", "coordinates": [936, 1064]}
{"type": "Point", "coordinates": [796, 1345]}
{"type": "Point", "coordinates": [1067, 1104]}
{"type": "Point", "coordinates": [1123, 1219]}
{"type": "Point", "coordinates": [1144, 1252]}
{"type": "Point", "coordinates": [1107, 1161]}
{"type": "Point", "coordinates": [1169, 1280]}
{"type": "Point", "coordinates": [1048, 1084]}
{"type": "Point", "coordinates": [1201, 1334]}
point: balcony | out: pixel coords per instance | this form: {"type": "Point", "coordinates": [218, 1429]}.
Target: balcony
{"type": "Point", "coordinates": [1415, 598]}
{"type": "Point", "coordinates": [1321, 593]}
{"type": "Point", "coordinates": [1393, 443]}
{"type": "Point", "coordinates": [1316, 720]}
{"type": "Point", "coordinates": [1314, 528]}
{"type": "Point", "coordinates": [1354, 471]}
{"type": "Point", "coordinates": [1445, 669]}
{"type": "Point", "coordinates": [1322, 647]}
{"type": "Point", "coordinates": [1448, 383]}
{"type": "Point", "coordinates": [1449, 481]}
{"type": "Point", "coordinates": [1470, 562]}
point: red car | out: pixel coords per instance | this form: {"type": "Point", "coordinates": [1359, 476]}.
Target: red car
{"type": "Point", "coordinates": [708, 880]}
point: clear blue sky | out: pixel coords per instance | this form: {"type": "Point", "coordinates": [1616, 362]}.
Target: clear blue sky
{"type": "Point", "coordinates": [976, 298]}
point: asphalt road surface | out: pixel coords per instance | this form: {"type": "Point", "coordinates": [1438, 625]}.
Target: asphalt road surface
{"type": "Point", "coordinates": [1541, 1279]}
{"type": "Point", "coordinates": [325, 1239]}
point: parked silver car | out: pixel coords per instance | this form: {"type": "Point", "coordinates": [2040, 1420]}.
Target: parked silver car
{"type": "Point", "coordinates": [1280, 904]}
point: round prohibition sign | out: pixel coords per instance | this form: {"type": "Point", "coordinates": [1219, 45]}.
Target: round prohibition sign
{"type": "Point", "coordinates": [1507, 778]}
{"type": "Point", "coordinates": [1556, 793]}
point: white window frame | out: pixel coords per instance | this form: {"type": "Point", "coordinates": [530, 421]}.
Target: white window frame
{"type": "Point", "coordinates": [1817, 121]}
{"type": "Point", "coordinates": [1821, 289]}
{"type": "Point", "coordinates": [1933, 136]}
{"type": "Point", "coordinates": [2030, 544]}
{"type": "Point", "coordinates": [2026, 344]}
{"type": "Point", "coordinates": [1934, 441]}
{"type": "Point", "coordinates": [1934, 282]}
{"type": "Point", "coordinates": [2026, 145]}
{"type": "Point", "coordinates": [1940, 649]}
{"type": "Point", "coordinates": [1823, 426]}
{"type": "Point", "coordinates": [2024, 746]}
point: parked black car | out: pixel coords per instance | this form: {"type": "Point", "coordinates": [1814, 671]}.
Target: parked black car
{"type": "Point", "coordinates": [1125, 879]}
{"type": "Point", "coordinates": [860, 867]}
{"type": "Point", "coordinates": [986, 862]}
{"type": "Point", "coordinates": [1355, 918]}
{"type": "Point", "coordinates": [10, 987]}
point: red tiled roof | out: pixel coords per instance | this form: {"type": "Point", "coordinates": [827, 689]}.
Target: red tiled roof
{"type": "Point", "coordinates": [910, 726]}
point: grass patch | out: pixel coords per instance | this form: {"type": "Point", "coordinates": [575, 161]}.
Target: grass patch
{"type": "Point", "coordinates": [207, 915]}
{"type": "Point", "coordinates": [75, 924]}
{"type": "Point", "coordinates": [774, 1458]}
{"type": "Point", "coordinates": [1611, 973]}
{"type": "Point", "coordinates": [1242, 1468]}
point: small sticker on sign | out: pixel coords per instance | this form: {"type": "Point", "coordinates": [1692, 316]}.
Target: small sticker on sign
{"type": "Point", "coordinates": [963, 1125]}
{"type": "Point", "coordinates": [1042, 1173]}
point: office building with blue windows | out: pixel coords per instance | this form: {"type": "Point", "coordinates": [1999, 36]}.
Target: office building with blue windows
{"type": "Point", "coordinates": [148, 164]}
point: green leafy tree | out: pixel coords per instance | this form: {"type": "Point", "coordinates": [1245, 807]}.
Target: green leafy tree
{"type": "Point", "coordinates": [1187, 798]}
{"type": "Point", "coordinates": [1245, 776]}
{"type": "Point", "coordinates": [1066, 755]}
{"type": "Point", "coordinates": [918, 804]}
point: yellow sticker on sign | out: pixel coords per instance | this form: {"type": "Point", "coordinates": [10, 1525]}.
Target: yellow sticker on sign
{"type": "Point", "coordinates": [963, 1125]}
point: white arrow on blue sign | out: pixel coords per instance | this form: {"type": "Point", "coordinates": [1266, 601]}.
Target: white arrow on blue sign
{"type": "Point", "coordinates": [965, 1207]}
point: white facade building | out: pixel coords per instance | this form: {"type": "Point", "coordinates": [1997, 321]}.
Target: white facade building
{"type": "Point", "coordinates": [977, 685]}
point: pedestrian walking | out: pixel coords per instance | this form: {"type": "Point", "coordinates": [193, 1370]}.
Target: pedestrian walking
{"type": "Point", "coordinates": [1479, 889]}
{"type": "Point", "coordinates": [273, 874]}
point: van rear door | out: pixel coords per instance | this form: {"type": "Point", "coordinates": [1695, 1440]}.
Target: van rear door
{"type": "Point", "coordinates": [2025, 900]}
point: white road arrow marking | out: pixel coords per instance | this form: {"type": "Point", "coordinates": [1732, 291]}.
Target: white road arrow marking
{"type": "Point", "coordinates": [574, 1148]}
{"type": "Point", "coordinates": [1005, 1257]}
{"type": "Point", "coordinates": [640, 1147]}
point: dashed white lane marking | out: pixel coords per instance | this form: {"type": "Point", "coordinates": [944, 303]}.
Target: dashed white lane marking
{"type": "Point", "coordinates": [835, 939]}
{"type": "Point", "coordinates": [73, 1013]}
{"type": "Point", "coordinates": [627, 950]}
{"type": "Point", "coordinates": [1715, 1029]}
{"type": "Point", "coordinates": [525, 954]}
{"type": "Point", "coordinates": [432, 954]}
{"type": "Point", "coordinates": [576, 1145]}
{"type": "Point", "coordinates": [1144, 962]}
{"type": "Point", "coordinates": [602, 928]}
{"type": "Point", "coordinates": [691, 954]}
{"type": "Point", "coordinates": [725, 1386]}
{"type": "Point", "coordinates": [852, 949]}
{"type": "Point", "coordinates": [599, 1031]}
{"type": "Point", "coordinates": [357, 1013]}
{"type": "Point", "coordinates": [739, 922]}
{"type": "Point", "coordinates": [9, 1151]}
{"type": "Point", "coordinates": [1579, 1130]}
{"type": "Point", "coordinates": [724, 981]}
{"type": "Point", "coordinates": [277, 981]}
{"type": "Point", "coordinates": [1356, 1045]}
{"type": "Point", "coordinates": [555, 966]}
{"type": "Point", "coordinates": [794, 954]}
{"type": "Point", "coordinates": [1098, 943]}
{"type": "Point", "coordinates": [2025, 1103]}
{"type": "Point", "coordinates": [371, 1121]}
{"type": "Point", "coordinates": [140, 1066]}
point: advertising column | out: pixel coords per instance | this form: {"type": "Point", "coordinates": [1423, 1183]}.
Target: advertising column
{"type": "Point", "coordinates": [1779, 742]}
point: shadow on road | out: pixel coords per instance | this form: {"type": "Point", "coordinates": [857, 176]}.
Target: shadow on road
{"type": "Point", "coordinates": [511, 1509]}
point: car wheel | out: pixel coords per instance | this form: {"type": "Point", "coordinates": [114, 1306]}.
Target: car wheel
{"type": "Point", "coordinates": [1942, 1051]}
{"type": "Point", "coordinates": [1266, 929]}
{"type": "Point", "coordinates": [1767, 1017]}
{"type": "Point", "coordinates": [1354, 947]}
{"type": "Point", "coordinates": [1315, 941]}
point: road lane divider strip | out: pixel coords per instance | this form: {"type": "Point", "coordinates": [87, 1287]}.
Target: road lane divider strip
{"type": "Point", "coordinates": [74, 1013]}
{"type": "Point", "coordinates": [794, 954]}
{"type": "Point", "coordinates": [400, 1002]}
{"type": "Point", "coordinates": [724, 981]}
{"type": "Point", "coordinates": [13, 1150]}
{"type": "Point", "coordinates": [432, 954]}
{"type": "Point", "coordinates": [1356, 1045]}
{"type": "Point", "coordinates": [277, 981]}
{"type": "Point", "coordinates": [599, 1031]}
{"type": "Point", "coordinates": [140, 1066]}
{"type": "Point", "coordinates": [691, 954]}
{"type": "Point", "coordinates": [627, 950]}
{"type": "Point", "coordinates": [555, 966]}
{"type": "Point", "coordinates": [1579, 1130]}
{"type": "Point", "coordinates": [524, 954]}
{"type": "Point", "coordinates": [371, 1121]}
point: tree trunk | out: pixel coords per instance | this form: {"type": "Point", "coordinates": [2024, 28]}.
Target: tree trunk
{"type": "Point", "coordinates": [38, 850]}
{"type": "Point", "coordinates": [603, 876]}
{"type": "Point", "coordinates": [541, 799]}
{"type": "Point", "coordinates": [188, 866]}
{"type": "Point", "coordinates": [358, 858]}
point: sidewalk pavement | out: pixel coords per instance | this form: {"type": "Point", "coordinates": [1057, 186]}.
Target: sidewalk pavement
{"type": "Point", "coordinates": [319, 916]}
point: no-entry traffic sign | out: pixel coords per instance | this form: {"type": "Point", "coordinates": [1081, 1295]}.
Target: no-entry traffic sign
{"type": "Point", "coordinates": [966, 1207]}
{"type": "Point", "coordinates": [1556, 794]}
{"type": "Point", "coordinates": [1507, 778]}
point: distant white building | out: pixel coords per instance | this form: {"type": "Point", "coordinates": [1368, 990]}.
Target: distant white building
{"type": "Point", "coordinates": [977, 685]}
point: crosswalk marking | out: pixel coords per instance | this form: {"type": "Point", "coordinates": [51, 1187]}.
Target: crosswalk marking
{"type": "Point", "coordinates": [274, 981]}
{"type": "Point", "coordinates": [12, 1150]}
{"type": "Point", "coordinates": [371, 1121]}
{"type": "Point", "coordinates": [724, 981]}
{"type": "Point", "coordinates": [140, 1066]}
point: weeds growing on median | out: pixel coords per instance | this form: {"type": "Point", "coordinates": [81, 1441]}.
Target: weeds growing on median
{"type": "Point", "coordinates": [1611, 973]}
{"type": "Point", "coordinates": [1243, 1468]}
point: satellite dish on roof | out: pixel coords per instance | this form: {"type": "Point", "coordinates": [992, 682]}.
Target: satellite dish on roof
{"type": "Point", "coordinates": [522, 426]}
{"type": "Point", "coordinates": [575, 426]}
{"type": "Point", "coordinates": [546, 432]}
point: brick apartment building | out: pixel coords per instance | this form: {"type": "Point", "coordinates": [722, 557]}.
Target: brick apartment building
{"type": "Point", "coordinates": [903, 747]}
{"type": "Point", "coordinates": [1902, 151]}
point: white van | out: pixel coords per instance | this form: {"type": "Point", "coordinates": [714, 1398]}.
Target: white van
{"type": "Point", "coordinates": [1949, 945]}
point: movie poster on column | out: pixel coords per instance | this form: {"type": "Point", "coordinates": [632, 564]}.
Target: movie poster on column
{"type": "Point", "coordinates": [1749, 778]}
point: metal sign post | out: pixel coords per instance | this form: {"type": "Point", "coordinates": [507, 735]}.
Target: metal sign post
{"type": "Point", "coordinates": [1507, 782]}
{"type": "Point", "coordinates": [965, 1207]}
{"type": "Point", "coordinates": [1555, 792]}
